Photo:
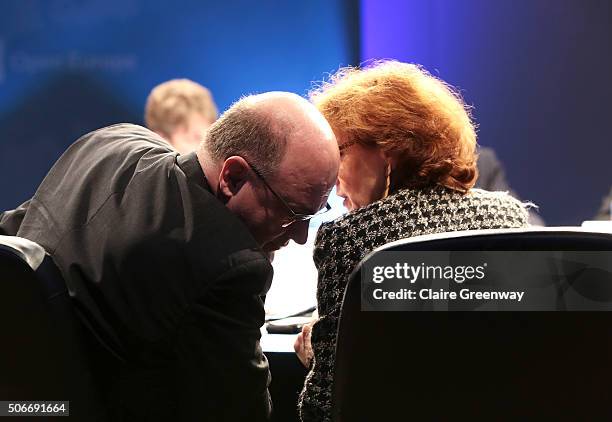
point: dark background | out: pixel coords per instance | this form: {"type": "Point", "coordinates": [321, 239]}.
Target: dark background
{"type": "Point", "coordinates": [538, 73]}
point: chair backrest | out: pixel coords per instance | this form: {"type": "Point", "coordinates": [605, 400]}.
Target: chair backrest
{"type": "Point", "coordinates": [479, 365]}
{"type": "Point", "coordinates": [44, 351]}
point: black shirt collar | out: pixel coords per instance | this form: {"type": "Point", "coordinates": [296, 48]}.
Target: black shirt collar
{"type": "Point", "coordinates": [191, 167]}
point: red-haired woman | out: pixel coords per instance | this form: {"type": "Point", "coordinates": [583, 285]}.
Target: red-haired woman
{"type": "Point", "coordinates": [408, 165]}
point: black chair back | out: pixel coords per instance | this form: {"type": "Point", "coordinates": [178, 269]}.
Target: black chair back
{"type": "Point", "coordinates": [44, 351]}
{"type": "Point", "coordinates": [477, 365]}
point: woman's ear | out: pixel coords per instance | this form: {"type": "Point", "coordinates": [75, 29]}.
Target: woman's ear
{"type": "Point", "coordinates": [391, 159]}
{"type": "Point", "coordinates": [234, 174]}
{"type": "Point", "coordinates": [391, 166]}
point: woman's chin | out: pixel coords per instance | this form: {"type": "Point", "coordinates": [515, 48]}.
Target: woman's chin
{"type": "Point", "coordinates": [349, 205]}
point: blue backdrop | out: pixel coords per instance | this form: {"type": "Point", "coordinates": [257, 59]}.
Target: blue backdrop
{"type": "Point", "coordinates": [538, 73]}
{"type": "Point", "coordinates": [70, 66]}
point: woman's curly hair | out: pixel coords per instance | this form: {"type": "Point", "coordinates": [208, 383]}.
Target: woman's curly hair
{"type": "Point", "coordinates": [411, 115]}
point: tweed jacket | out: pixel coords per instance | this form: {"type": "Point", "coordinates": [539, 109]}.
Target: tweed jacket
{"type": "Point", "coordinates": [343, 243]}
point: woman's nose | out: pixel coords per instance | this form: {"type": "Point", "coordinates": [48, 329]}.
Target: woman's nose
{"type": "Point", "coordinates": [340, 189]}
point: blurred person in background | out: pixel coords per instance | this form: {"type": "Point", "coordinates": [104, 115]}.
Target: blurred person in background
{"type": "Point", "coordinates": [407, 168]}
{"type": "Point", "coordinates": [492, 177]}
{"type": "Point", "coordinates": [605, 210]}
{"type": "Point", "coordinates": [180, 111]}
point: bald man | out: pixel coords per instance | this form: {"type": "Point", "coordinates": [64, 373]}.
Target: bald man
{"type": "Point", "coordinates": [166, 255]}
{"type": "Point", "coordinates": [180, 111]}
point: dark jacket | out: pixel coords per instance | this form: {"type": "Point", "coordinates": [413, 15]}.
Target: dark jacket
{"type": "Point", "coordinates": [11, 220]}
{"type": "Point", "coordinates": [167, 278]}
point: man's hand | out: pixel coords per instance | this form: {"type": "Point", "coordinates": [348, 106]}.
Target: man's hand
{"type": "Point", "coordinates": [303, 346]}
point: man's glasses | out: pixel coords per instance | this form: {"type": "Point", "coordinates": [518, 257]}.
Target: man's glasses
{"type": "Point", "coordinates": [295, 217]}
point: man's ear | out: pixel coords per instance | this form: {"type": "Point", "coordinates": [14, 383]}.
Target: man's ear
{"type": "Point", "coordinates": [234, 173]}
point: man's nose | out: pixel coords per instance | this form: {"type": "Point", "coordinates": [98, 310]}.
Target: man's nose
{"type": "Point", "coordinates": [299, 232]}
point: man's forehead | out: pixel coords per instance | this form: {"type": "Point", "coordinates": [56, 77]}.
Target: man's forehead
{"type": "Point", "coordinates": [308, 169]}
{"type": "Point", "coordinates": [307, 193]}
{"type": "Point", "coordinates": [310, 165]}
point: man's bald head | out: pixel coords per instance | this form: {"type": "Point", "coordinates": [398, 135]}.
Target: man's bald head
{"type": "Point", "coordinates": [260, 127]}
{"type": "Point", "coordinates": [285, 139]}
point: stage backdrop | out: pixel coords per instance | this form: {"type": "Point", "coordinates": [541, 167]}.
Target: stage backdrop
{"type": "Point", "coordinates": [68, 67]}
{"type": "Point", "coordinates": [538, 73]}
